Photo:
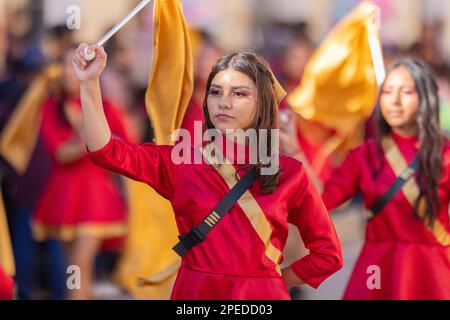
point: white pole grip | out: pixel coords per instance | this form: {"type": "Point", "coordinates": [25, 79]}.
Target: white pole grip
{"type": "Point", "coordinates": [89, 56]}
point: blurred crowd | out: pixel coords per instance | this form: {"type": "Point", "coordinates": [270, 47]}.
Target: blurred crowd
{"type": "Point", "coordinates": [33, 35]}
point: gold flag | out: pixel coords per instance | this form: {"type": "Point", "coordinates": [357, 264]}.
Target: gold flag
{"type": "Point", "coordinates": [339, 85]}
{"type": "Point", "coordinates": [172, 76]}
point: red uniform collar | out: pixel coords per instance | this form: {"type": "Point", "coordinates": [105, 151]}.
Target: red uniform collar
{"type": "Point", "coordinates": [405, 140]}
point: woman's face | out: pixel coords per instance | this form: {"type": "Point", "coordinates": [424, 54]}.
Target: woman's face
{"type": "Point", "coordinates": [232, 101]}
{"type": "Point", "coordinates": [400, 101]}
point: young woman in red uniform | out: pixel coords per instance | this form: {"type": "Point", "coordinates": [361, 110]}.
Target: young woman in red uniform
{"type": "Point", "coordinates": [240, 257]}
{"type": "Point", "coordinates": [81, 203]}
{"type": "Point", "coordinates": [406, 254]}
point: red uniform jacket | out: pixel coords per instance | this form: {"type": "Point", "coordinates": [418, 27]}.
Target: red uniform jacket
{"type": "Point", "coordinates": [232, 262]}
{"type": "Point", "coordinates": [412, 263]}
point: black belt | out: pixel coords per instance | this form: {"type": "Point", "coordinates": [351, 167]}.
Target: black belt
{"type": "Point", "coordinates": [395, 188]}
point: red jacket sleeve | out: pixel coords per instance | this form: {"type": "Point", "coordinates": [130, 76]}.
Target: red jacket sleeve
{"type": "Point", "coordinates": [311, 218]}
{"type": "Point", "coordinates": [344, 181]}
{"type": "Point", "coordinates": [6, 286]}
{"type": "Point", "coordinates": [148, 163]}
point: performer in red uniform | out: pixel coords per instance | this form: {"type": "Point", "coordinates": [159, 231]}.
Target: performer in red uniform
{"type": "Point", "coordinates": [81, 203]}
{"type": "Point", "coordinates": [406, 254]}
{"type": "Point", "coordinates": [6, 286]}
{"type": "Point", "coordinates": [79, 197]}
{"type": "Point", "coordinates": [240, 257]}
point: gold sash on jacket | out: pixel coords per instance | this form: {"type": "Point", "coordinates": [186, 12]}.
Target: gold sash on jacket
{"type": "Point", "coordinates": [247, 202]}
{"type": "Point", "coordinates": [411, 190]}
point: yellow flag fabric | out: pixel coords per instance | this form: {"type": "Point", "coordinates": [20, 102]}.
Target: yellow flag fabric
{"type": "Point", "coordinates": [172, 76]}
{"type": "Point", "coordinates": [6, 253]}
{"type": "Point", "coordinates": [147, 251]}
{"type": "Point", "coordinates": [20, 135]}
{"type": "Point", "coordinates": [339, 85]}
{"type": "Point", "coordinates": [149, 266]}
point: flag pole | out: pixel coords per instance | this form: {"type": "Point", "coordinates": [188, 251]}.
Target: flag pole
{"type": "Point", "coordinates": [89, 56]}
{"type": "Point", "coordinates": [375, 47]}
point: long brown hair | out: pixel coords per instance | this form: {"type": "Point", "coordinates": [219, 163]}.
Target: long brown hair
{"type": "Point", "coordinates": [266, 117]}
{"type": "Point", "coordinates": [430, 135]}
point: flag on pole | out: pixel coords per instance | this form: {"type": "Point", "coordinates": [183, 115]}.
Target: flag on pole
{"type": "Point", "coordinates": [339, 85]}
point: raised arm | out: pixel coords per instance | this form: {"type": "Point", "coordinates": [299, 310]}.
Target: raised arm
{"type": "Point", "coordinates": [95, 126]}
{"type": "Point", "coordinates": [147, 163]}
